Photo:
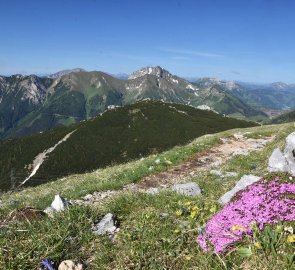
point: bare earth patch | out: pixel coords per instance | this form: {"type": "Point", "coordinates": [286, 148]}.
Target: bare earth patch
{"type": "Point", "coordinates": [214, 157]}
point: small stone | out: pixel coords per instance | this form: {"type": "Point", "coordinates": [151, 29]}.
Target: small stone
{"type": "Point", "coordinates": [238, 136]}
{"type": "Point", "coordinates": [157, 161]}
{"type": "Point", "coordinates": [216, 172]}
{"type": "Point", "coordinates": [59, 203]}
{"type": "Point", "coordinates": [164, 215]}
{"type": "Point", "coordinates": [243, 152]}
{"type": "Point", "coordinates": [188, 189]}
{"type": "Point", "coordinates": [152, 191]}
{"type": "Point", "coordinates": [88, 197]}
{"type": "Point", "coordinates": [231, 174]}
{"type": "Point", "coordinates": [168, 162]}
{"type": "Point", "coordinates": [49, 211]}
{"type": "Point", "coordinates": [224, 140]}
{"type": "Point", "coordinates": [69, 265]}
{"type": "Point", "coordinates": [105, 225]}
{"type": "Point", "coordinates": [216, 163]}
{"type": "Point", "coordinates": [151, 168]}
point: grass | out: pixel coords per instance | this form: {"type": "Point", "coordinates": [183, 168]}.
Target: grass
{"type": "Point", "coordinates": [145, 240]}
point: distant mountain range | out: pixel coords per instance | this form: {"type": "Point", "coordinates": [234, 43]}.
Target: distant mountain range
{"type": "Point", "coordinates": [116, 136]}
{"type": "Point", "coordinates": [31, 104]}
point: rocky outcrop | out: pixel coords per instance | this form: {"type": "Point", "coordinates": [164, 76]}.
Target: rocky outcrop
{"type": "Point", "coordinates": [245, 181]}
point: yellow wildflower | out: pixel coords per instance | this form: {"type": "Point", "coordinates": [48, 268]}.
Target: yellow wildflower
{"type": "Point", "coordinates": [188, 203]}
{"type": "Point", "coordinates": [212, 209]}
{"type": "Point", "coordinates": [179, 212]}
{"type": "Point", "coordinates": [194, 214]}
{"type": "Point", "coordinates": [291, 238]}
{"type": "Point", "coordinates": [195, 208]}
{"type": "Point", "coordinates": [238, 227]}
{"type": "Point", "coordinates": [177, 231]}
{"type": "Point", "coordinates": [257, 245]}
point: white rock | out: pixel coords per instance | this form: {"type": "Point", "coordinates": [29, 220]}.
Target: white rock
{"type": "Point", "coordinates": [245, 181]}
{"type": "Point", "coordinates": [216, 172]}
{"type": "Point", "coordinates": [106, 225]}
{"type": "Point", "coordinates": [231, 174]}
{"type": "Point", "coordinates": [157, 161]}
{"type": "Point", "coordinates": [69, 265]}
{"type": "Point", "coordinates": [216, 163]}
{"type": "Point", "coordinates": [289, 152]}
{"type": "Point", "coordinates": [188, 189]}
{"type": "Point", "coordinates": [59, 203]}
{"type": "Point", "coordinates": [277, 162]}
{"type": "Point", "coordinates": [152, 191]}
{"type": "Point", "coordinates": [243, 152]}
{"type": "Point", "coordinates": [238, 136]}
{"type": "Point", "coordinates": [49, 210]}
{"type": "Point", "coordinates": [151, 168]}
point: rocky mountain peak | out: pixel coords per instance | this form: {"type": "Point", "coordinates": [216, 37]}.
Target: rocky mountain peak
{"type": "Point", "coordinates": [156, 71]}
{"type": "Point", "coordinates": [65, 72]}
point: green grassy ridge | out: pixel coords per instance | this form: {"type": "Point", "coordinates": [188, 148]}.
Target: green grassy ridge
{"type": "Point", "coordinates": [116, 136]}
{"type": "Point", "coordinates": [145, 241]}
{"type": "Point", "coordinates": [283, 118]}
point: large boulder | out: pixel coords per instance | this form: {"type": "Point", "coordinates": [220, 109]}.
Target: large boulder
{"type": "Point", "coordinates": [289, 152]}
{"type": "Point", "coordinates": [277, 162]}
{"type": "Point", "coordinates": [245, 181]}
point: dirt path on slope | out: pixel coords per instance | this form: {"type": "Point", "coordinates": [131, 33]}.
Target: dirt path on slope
{"type": "Point", "coordinates": [39, 159]}
{"type": "Point", "coordinates": [214, 157]}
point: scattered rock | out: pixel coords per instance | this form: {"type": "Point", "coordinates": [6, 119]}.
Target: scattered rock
{"type": "Point", "coordinates": [243, 152]}
{"type": "Point", "coordinates": [216, 172]}
{"type": "Point", "coordinates": [164, 215]}
{"type": "Point", "coordinates": [152, 191]}
{"type": "Point", "coordinates": [216, 163]}
{"type": "Point", "coordinates": [59, 203]}
{"type": "Point", "coordinates": [70, 265]}
{"type": "Point", "coordinates": [277, 162]}
{"type": "Point", "coordinates": [157, 161]}
{"type": "Point", "coordinates": [188, 189]}
{"type": "Point", "coordinates": [49, 211]}
{"type": "Point", "coordinates": [88, 197]}
{"type": "Point", "coordinates": [245, 181]}
{"type": "Point", "coordinates": [168, 162]}
{"type": "Point", "coordinates": [107, 225]}
{"type": "Point", "coordinates": [231, 174]}
{"type": "Point", "coordinates": [224, 140]}
{"type": "Point", "coordinates": [26, 213]}
{"type": "Point", "coordinates": [238, 136]}
{"type": "Point", "coordinates": [222, 175]}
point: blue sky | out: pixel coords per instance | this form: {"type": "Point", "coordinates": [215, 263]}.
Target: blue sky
{"type": "Point", "coordinates": [248, 40]}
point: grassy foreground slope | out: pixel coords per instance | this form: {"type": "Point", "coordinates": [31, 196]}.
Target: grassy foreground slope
{"type": "Point", "coordinates": [145, 241]}
{"type": "Point", "coordinates": [116, 136]}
